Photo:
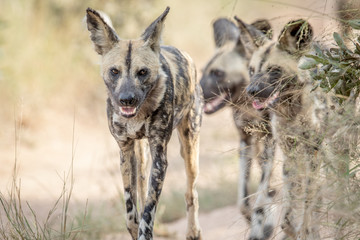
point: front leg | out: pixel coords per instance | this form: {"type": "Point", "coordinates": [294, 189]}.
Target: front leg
{"type": "Point", "coordinates": [142, 153]}
{"type": "Point", "coordinates": [188, 132]}
{"type": "Point", "coordinates": [128, 172]}
{"type": "Point", "coordinates": [157, 175]}
{"type": "Point", "coordinates": [245, 161]}
{"type": "Point", "coordinates": [262, 219]}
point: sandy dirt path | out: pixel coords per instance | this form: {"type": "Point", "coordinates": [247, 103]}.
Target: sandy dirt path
{"type": "Point", "coordinates": [221, 224]}
{"type": "Point", "coordinates": [44, 158]}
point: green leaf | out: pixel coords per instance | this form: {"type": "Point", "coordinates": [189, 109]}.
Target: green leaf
{"type": "Point", "coordinates": [328, 54]}
{"type": "Point", "coordinates": [318, 50]}
{"type": "Point", "coordinates": [353, 170]}
{"type": "Point", "coordinates": [354, 23]}
{"type": "Point", "coordinates": [315, 86]}
{"type": "Point", "coordinates": [340, 42]}
{"type": "Point", "coordinates": [308, 63]}
{"type": "Point", "coordinates": [335, 82]}
{"type": "Point", "coordinates": [318, 59]}
{"type": "Point", "coordinates": [325, 68]}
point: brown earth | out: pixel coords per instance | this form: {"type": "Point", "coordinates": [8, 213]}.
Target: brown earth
{"type": "Point", "coordinates": [223, 223]}
{"type": "Point", "coordinates": [44, 157]}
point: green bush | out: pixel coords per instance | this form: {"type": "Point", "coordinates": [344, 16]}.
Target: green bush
{"type": "Point", "coordinates": [336, 69]}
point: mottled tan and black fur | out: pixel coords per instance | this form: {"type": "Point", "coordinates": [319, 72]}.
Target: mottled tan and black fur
{"type": "Point", "coordinates": [277, 84]}
{"type": "Point", "coordinates": [224, 80]}
{"type": "Point", "coordinates": [152, 89]}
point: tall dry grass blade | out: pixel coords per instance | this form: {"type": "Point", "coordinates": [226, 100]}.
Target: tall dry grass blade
{"type": "Point", "coordinates": [17, 224]}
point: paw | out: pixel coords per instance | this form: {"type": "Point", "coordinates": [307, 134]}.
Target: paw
{"type": "Point", "coordinates": [133, 233]}
{"type": "Point", "coordinates": [267, 232]}
{"type": "Point", "coordinates": [246, 213]}
{"type": "Point", "coordinates": [196, 236]}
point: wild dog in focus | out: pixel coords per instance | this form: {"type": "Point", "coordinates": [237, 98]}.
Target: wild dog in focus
{"type": "Point", "coordinates": [152, 89]}
{"type": "Point", "coordinates": [224, 80]}
{"type": "Point", "coordinates": [277, 84]}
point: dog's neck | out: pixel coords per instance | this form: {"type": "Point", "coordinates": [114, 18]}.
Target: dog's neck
{"type": "Point", "coordinates": [291, 102]}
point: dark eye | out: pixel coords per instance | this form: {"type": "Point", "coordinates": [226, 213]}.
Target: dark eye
{"type": "Point", "coordinates": [114, 72]}
{"type": "Point", "coordinates": [251, 71]}
{"type": "Point", "coordinates": [142, 72]}
{"type": "Point", "coordinates": [217, 73]}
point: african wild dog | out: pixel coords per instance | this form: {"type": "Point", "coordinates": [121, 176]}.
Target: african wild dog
{"type": "Point", "coordinates": [152, 89]}
{"type": "Point", "coordinates": [278, 85]}
{"type": "Point", "coordinates": [224, 80]}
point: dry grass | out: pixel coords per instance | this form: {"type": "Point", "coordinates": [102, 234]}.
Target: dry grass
{"type": "Point", "coordinates": [342, 174]}
{"type": "Point", "coordinates": [20, 221]}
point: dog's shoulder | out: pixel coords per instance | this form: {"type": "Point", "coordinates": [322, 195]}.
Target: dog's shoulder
{"type": "Point", "coordinates": [178, 62]}
{"type": "Point", "coordinates": [179, 66]}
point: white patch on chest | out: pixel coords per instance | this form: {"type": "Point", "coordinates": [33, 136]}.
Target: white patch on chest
{"type": "Point", "coordinates": [132, 126]}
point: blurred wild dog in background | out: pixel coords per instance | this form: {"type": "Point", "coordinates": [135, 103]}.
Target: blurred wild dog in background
{"type": "Point", "coordinates": [224, 80]}
{"type": "Point", "coordinates": [298, 114]}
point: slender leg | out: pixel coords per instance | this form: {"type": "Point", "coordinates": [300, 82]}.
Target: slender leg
{"type": "Point", "coordinates": [288, 224]}
{"type": "Point", "coordinates": [143, 156]}
{"type": "Point", "coordinates": [245, 161]}
{"type": "Point", "coordinates": [157, 176]}
{"type": "Point", "coordinates": [189, 139]}
{"type": "Point", "coordinates": [262, 220]}
{"type": "Point", "coordinates": [309, 230]}
{"type": "Point", "coordinates": [128, 171]}
{"type": "Point", "coordinates": [301, 169]}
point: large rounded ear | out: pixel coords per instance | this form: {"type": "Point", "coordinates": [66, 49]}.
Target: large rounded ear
{"type": "Point", "coordinates": [152, 34]}
{"type": "Point", "coordinates": [264, 27]}
{"type": "Point", "coordinates": [225, 31]}
{"type": "Point", "coordinates": [251, 36]}
{"type": "Point", "coordinates": [296, 36]}
{"type": "Point", "coordinates": [101, 33]}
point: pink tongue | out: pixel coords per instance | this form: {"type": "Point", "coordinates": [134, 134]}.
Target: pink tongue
{"type": "Point", "coordinates": [128, 110]}
{"type": "Point", "coordinates": [210, 106]}
{"type": "Point", "coordinates": [206, 107]}
{"type": "Point", "coordinates": [258, 105]}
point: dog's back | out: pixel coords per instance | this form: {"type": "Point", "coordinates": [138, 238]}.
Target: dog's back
{"type": "Point", "coordinates": [181, 74]}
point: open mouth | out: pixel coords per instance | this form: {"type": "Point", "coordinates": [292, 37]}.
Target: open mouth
{"type": "Point", "coordinates": [261, 103]}
{"type": "Point", "coordinates": [128, 111]}
{"type": "Point", "coordinates": [215, 104]}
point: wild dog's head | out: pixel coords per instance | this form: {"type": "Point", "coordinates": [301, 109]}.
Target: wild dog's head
{"type": "Point", "coordinates": [130, 68]}
{"type": "Point", "coordinates": [273, 67]}
{"type": "Point", "coordinates": [226, 74]}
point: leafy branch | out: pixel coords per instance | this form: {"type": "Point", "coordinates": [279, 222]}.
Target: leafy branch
{"type": "Point", "coordinates": [336, 69]}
